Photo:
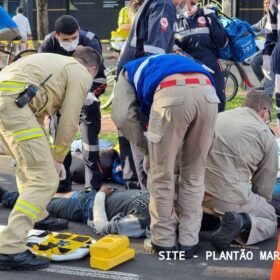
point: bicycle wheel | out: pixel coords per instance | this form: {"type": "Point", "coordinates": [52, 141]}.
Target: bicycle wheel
{"type": "Point", "coordinates": [23, 54]}
{"type": "Point", "coordinates": [231, 86]}
{"type": "Point", "coordinates": [110, 72]}
{"type": "Point", "coordinates": [107, 97]}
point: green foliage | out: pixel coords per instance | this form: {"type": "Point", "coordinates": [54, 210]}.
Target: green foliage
{"type": "Point", "coordinates": [109, 136]}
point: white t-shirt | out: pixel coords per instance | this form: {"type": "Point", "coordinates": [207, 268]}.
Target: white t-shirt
{"type": "Point", "coordinates": [23, 25]}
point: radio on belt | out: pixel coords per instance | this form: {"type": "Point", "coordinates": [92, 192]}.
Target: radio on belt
{"type": "Point", "coordinates": [29, 92]}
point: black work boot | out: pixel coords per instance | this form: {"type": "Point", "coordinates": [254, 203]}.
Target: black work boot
{"type": "Point", "coordinates": [190, 251]}
{"type": "Point", "coordinates": [51, 223]}
{"type": "Point", "coordinates": [23, 261]}
{"type": "Point", "coordinates": [209, 222]}
{"type": "Point", "coordinates": [232, 226]}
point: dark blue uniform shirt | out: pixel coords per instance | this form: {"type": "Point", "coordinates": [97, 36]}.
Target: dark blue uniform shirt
{"type": "Point", "coordinates": [87, 39]}
{"type": "Point", "coordinates": [152, 31]}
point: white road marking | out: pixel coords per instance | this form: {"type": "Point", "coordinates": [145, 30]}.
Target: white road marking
{"type": "Point", "coordinates": [237, 272]}
{"type": "Point", "coordinates": [92, 273]}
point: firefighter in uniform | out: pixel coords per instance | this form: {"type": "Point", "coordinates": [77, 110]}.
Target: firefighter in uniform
{"type": "Point", "coordinates": [181, 105]}
{"type": "Point", "coordinates": [199, 33]}
{"type": "Point", "coordinates": [151, 33]}
{"type": "Point", "coordinates": [21, 130]}
{"type": "Point", "coordinates": [64, 41]}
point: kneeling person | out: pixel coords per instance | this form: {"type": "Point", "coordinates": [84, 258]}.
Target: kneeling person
{"type": "Point", "coordinates": [241, 171]}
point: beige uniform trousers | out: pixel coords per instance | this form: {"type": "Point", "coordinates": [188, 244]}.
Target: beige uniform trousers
{"type": "Point", "coordinates": [36, 174]}
{"type": "Point", "coordinates": [262, 214]}
{"type": "Point", "coordinates": [181, 117]}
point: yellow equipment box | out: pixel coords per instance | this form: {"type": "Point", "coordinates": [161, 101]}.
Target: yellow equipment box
{"type": "Point", "coordinates": [109, 246]}
{"type": "Point", "coordinates": [108, 263]}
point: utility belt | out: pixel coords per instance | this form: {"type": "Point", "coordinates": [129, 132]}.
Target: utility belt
{"type": "Point", "coordinates": [183, 82]}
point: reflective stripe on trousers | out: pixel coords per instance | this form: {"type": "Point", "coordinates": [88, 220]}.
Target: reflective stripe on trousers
{"type": "Point", "coordinates": [27, 208]}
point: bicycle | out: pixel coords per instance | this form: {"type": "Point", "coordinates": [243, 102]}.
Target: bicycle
{"type": "Point", "coordinates": [231, 81]}
{"type": "Point", "coordinates": [111, 75]}
{"type": "Point", "coordinates": [107, 97]}
{"type": "Point", "coordinates": [8, 49]}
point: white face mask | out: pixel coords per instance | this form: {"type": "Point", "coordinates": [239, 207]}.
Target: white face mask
{"type": "Point", "coordinates": [69, 46]}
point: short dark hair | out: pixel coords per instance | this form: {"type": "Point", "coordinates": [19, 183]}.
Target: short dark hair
{"type": "Point", "coordinates": [258, 100]}
{"type": "Point", "coordinates": [66, 24]}
{"type": "Point", "coordinates": [88, 56]}
{"type": "Point", "coordinates": [20, 10]}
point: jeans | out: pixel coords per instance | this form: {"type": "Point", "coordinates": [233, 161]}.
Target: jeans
{"type": "Point", "coordinates": [9, 199]}
{"type": "Point", "coordinates": [269, 85]}
{"type": "Point", "coordinates": [256, 63]}
{"type": "Point", "coordinates": [76, 208]}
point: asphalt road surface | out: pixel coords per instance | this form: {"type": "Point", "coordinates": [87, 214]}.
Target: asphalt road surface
{"type": "Point", "coordinates": [207, 265]}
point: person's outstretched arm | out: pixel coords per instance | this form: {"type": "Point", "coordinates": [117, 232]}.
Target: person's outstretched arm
{"type": "Point", "coordinates": [122, 224]}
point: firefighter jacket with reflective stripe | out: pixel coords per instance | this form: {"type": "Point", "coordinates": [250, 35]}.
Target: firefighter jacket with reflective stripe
{"type": "Point", "coordinates": [66, 91]}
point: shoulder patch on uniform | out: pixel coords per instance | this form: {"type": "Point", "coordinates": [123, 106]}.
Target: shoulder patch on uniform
{"type": "Point", "coordinates": [201, 21]}
{"type": "Point", "coordinates": [90, 35]}
{"type": "Point", "coordinates": [163, 24]}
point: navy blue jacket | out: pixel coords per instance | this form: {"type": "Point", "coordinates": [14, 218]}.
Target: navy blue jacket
{"type": "Point", "coordinates": [87, 39]}
{"type": "Point", "coordinates": [152, 31]}
{"type": "Point", "coordinates": [200, 35]}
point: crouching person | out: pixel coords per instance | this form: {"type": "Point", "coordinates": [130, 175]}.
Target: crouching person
{"type": "Point", "coordinates": [240, 173]}
{"type": "Point", "coordinates": [21, 128]}
{"type": "Point", "coordinates": [176, 96]}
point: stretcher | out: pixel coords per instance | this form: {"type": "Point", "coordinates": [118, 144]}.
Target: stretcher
{"type": "Point", "coordinates": [56, 246]}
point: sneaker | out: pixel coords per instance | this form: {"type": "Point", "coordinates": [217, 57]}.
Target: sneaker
{"type": "Point", "coordinates": [148, 245]}
{"type": "Point", "coordinates": [51, 224]}
{"type": "Point", "coordinates": [232, 226]}
{"type": "Point", "coordinates": [23, 261]}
